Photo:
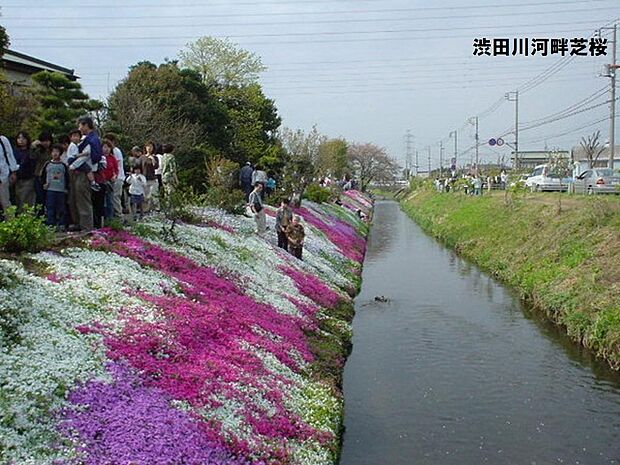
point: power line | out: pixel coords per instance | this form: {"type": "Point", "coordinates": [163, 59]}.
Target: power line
{"type": "Point", "coordinates": [282, 42]}
{"type": "Point", "coordinates": [296, 13]}
{"type": "Point", "coordinates": [568, 115]}
{"type": "Point", "coordinates": [364, 76]}
{"type": "Point", "coordinates": [571, 131]}
{"type": "Point", "coordinates": [553, 69]}
{"type": "Point", "coordinates": [596, 95]}
{"type": "Point", "coordinates": [327, 21]}
{"type": "Point", "coordinates": [303, 34]}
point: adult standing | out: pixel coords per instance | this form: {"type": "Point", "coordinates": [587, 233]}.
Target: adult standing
{"type": "Point", "coordinates": [8, 168]}
{"type": "Point", "coordinates": [105, 178]}
{"type": "Point", "coordinates": [117, 185]}
{"type": "Point", "coordinates": [296, 235]}
{"type": "Point", "coordinates": [284, 216]}
{"type": "Point", "coordinates": [260, 177]}
{"type": "Point", "coordinates": [148, 164]}
{"type": "Point", "coordinates": [255, 202]}
{"type": "Point", "coordinates": [245, 179]}
{"type": "Point", "coordinates": [503, 179]}
{"type": "Point", "coordinates": [91, 146]}
{"type": "Point", "coordinates": [159, 154]}
{"type": "Point", "coordinates": [41, 149]}
{"type": "Point", "coordinates": [169, 169]}
{"type": "Point", "coordinates": [24, 186]}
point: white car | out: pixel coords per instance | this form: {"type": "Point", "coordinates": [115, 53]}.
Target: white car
{"type": "Point", "coordinates": [542, 180]}
{"type": "Point", "coordinates": [598, 181]}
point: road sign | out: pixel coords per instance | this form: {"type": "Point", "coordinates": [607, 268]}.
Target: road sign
{"type": "Point", "coordinates": [492, 142]}
{"type": "Point", "coordinates": [500, 142]}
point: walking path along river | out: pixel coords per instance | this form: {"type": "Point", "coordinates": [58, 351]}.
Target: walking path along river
{"type": "Point", "coordinates": [454, 369]}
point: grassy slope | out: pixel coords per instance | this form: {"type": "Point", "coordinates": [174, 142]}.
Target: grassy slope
{"type": "Point", "coordinates": [567, 264]}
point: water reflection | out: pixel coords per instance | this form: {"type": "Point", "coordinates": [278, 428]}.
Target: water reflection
{"type": "Point", "coordinates": [452, 370]}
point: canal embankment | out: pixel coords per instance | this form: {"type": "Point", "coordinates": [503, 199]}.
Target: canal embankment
{"type": "Point", "coordinates": [565, 263]}
{"type": "Point", "coordinates": [209, 345]}
{"type": "Point", "coordinates": [451, 367]}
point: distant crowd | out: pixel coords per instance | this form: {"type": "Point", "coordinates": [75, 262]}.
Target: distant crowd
{"type": "Point", "coordinates": [473, 184]}
{"type": "Point", "coordinates": [82, 180]}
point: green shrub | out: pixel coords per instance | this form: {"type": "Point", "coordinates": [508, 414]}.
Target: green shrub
{"type": "Point", "coordinates": [416, 183]}
{"type": "Point", "coordinates": [115, 224]}
{"type": "Point", "coordinates": [232, 201]}
{"type": "Point", "coordinates": [25, 232]}
{"type": "Point", "coordinates": [316, 193]}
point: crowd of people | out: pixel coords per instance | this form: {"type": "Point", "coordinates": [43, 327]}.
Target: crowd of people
{"type": "Point", "coordinates": [289, 229]}
{"type": "Point", "coordinates": [473, 184]}
{"type": "Point", "coordinates": [82, 180]}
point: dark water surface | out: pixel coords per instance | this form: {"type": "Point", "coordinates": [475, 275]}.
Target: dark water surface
{"type": "Point", "coordinates": [453, 370]}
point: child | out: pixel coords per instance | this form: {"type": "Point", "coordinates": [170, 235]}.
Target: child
{"type": "Point", "coordinates": [137, 186]}
{"type": "Point", "coordinates": [56, 178]}
{"type": "Point", "coordinates": [81, 161]}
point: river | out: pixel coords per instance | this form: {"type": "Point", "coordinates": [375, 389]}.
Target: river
{"type": "Point", "coordinates": [453, 369]}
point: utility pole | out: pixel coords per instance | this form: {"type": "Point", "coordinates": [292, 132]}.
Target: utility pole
{"type": "Point", "coordinates": [514, 97]}
{"type": "Point", "coordinates": [429, 161]}
{"type": "Point", "coordinates": [456, 144]}
{"type": "Point", "coordinates": [408, 145]}
{"type": "Point", "coordinates": [477, 146]}
{"type": "Point", "coordinates": [416, 163]}
{"type": "Point", "coordinates": [612, 117]}
{"type": "Point", "coordinates": [441, 158]}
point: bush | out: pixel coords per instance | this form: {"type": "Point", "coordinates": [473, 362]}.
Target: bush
{"type": "Point", "coordinates": [231, 201]}
{"type": "Point", "coordinates": [316, 193]}
{"type": "Point", "coordinates": [25, 232]}
{"type": "Point", "coordinates": [416, 183]}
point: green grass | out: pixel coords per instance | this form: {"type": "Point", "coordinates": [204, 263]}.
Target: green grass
{"type": "Point", "coordinates": [567, 264]}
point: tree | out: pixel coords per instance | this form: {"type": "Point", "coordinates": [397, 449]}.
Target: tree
{"type": "Point", "coordinates": [560, 166]}
{"type": "Point", "coordinates": [302, 151]}
{"type": "Point", "coordinates": [166, 104]}
{"type": "Point", "coordinates": [61, 102]}
{"type": "Point", "coordinates": [372, 163]}
{"type": "Point", "coordinates": [4, 41]}
{"type": "Point", "coordinates": [332, 159]}
{"type": "Point", "coordinates": [253, 122]}
{"type": "Point", "coordinates": [222, 62]}
{"type": "Point", "coordinates": [16, 109]}
{"type": "Point", "coordinates": [592, 148]}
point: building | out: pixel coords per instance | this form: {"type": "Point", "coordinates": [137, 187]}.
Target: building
{"type": "Point", "coordinates": [581, 162]}
{"type": "Point", "coordinates": [19, 67]}
{"type": "Point", "coordinates": [529, 159]}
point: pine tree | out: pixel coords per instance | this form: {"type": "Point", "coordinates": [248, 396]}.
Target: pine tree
{"type": "Point", "coordinates": [61, 102]}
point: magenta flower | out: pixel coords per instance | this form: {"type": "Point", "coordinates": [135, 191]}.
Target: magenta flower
{"type": "Point", "coordinates": [127, 423]}
{"type": "Point", "coordinates": [204, 347]}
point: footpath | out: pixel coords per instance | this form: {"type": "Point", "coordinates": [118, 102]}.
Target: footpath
{"type": "Point", "coordinates": [567, 263]}
{"type": "Point", "coordinates": [212, 346]}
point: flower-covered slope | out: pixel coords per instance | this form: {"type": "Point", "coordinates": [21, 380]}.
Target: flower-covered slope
{"type": "Point", "coordinates": [214, 348]}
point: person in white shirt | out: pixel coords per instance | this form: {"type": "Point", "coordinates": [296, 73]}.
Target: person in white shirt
{"type": "Point", "coordinates": [8, 169]}
{"type": "Point", "coordinates": [118, 184]}
{"type": "Point", "coordinates": [259, 176]}
{"type": "Point", "coordinates": [137, 187]}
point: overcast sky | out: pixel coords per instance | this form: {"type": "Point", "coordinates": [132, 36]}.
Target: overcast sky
{"type": "Point", "coordinates": [366, 70]}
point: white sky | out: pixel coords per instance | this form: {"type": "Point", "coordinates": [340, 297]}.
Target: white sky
{"type": "Point", "coordinates": [367, 70]}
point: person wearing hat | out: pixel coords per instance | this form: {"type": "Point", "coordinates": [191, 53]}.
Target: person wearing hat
{"type": "Point", "coordinates": [245, 179]}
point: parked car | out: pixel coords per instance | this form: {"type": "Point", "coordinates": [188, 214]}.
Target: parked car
{"type": "Point", "coordinates": [542, 179]}
{"type": "Point", "coordinates": [598, 181]}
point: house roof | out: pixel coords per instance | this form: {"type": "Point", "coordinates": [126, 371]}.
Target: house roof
{"type": "Point", "coordinates": [21, 62]}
